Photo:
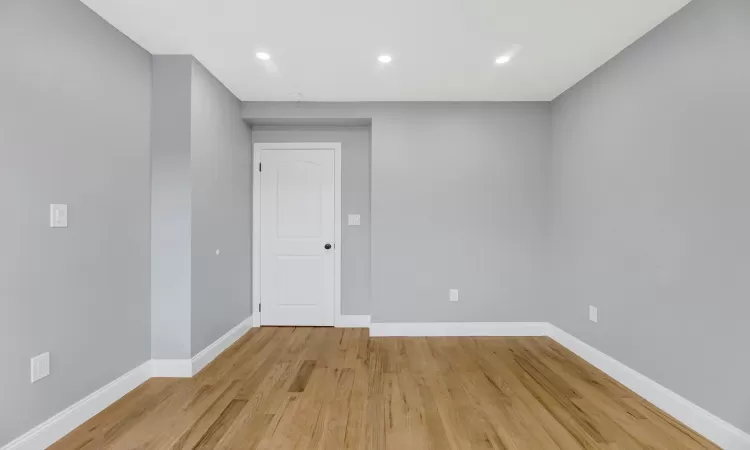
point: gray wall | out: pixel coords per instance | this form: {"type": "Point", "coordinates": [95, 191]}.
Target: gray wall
{"type": "Point", "coordinates": [651, 193]}
{"type": "Point", "coordinates": [201, 203]}
{"type": "Point", "coordinates": [171, 207]}
{"type": "Point", "coordinates": [355, 199]}
{"type": "Point", "coordinates": [74, 129]}
{"type": "Point", "coordinates": [221, 210]}
{"type": "Point", "coordinates": [458, 192]}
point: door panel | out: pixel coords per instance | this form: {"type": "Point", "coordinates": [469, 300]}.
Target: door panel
{"type": "Point", "coordinates": [297, 221]}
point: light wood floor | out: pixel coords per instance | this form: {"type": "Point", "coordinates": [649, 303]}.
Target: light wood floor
{"type": "Point", "coordinates": [325, 388]}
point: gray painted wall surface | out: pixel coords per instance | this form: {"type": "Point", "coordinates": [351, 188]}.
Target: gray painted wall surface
{"type": "Point", "coordinates": [458, 192]}
{"type": "Point", "coordinates": [201, 202]}
{"type": "Point", "coordinates": [355, 199]}
{"type": "Point", "coordinates": [651, 193]}
{"type": "Point", "coordinates": [74, 129]}
{"type": "Point", "coordinates": [221, 210]}
{"type": "Point", "coordinates": [171, 207]}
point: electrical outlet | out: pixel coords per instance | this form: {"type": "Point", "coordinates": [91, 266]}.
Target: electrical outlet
{"type": "Point", "coordinates": [593, 314]}
{"type": "Point", "coordinates": [39, 367]}
{"type": "Point", "coordinates": [454, 295]}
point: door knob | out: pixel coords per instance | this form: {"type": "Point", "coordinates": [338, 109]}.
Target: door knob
{"type": "Point", "coordinates": [328, 246]}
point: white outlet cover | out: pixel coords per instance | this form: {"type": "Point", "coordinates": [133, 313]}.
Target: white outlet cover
{"type": "Point", "coordinates": [39, 367]}
{"type": "Point", "coordinates": [593, 314]}
{"type": "Point", "coordinates": [58, 215]}
{"type": "Point", "coordinates": [354, 220]}
{"type": "Point", "coordinates": [454, 295]}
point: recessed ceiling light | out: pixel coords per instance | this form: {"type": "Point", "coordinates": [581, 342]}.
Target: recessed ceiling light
{"type": "Point", "coordinates": [263, 56]}
{"type": "Point", "coordinates": [385, 59]}
{"type": "Point", "coordinates": [505, 59]}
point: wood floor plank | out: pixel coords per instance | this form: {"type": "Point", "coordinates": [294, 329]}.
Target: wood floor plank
{"type": "Point", "coordinates": [303, 376]}
{"type": "Point", "coordinates": [216, 431]}
{"type": "Point", "coordinates": [327, 388]}
{"type": "Point", "coordinates": [336, 414]}
{"type": "Point", "coordinates": [466, 423]}
{"type": "Point", "coordinates": [195, 433]}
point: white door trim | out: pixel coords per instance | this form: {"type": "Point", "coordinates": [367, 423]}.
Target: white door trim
{"type": "Point", "coordinates": [257, 148]}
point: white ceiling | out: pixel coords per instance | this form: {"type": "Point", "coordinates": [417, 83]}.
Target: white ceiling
{"type": "Point", "coordinates": [327, 50]}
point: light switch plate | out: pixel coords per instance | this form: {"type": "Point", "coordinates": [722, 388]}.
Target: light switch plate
{"type": "Point", "coordinates": [593, 314]}
{"type": "Point", "coordinates": [454, 295]}
{"type": "Point", "coordinates": [354, 220]}
{"type": "Point", "coordinates": [39, 367]}
{"type": "Point", "coordinates": [58, 216]}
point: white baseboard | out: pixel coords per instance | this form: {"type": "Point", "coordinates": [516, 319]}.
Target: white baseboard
{"type": "Point", "coordinates": [723, 434]}
{"type": "Point", "coordinates": [459, 329]}
{"type": "Point", "coordinates": [350, 321]}
{"type": "Point", "coordinates": [171, 368]}
{"type": "Point", "coordinates": [208, 354]}
{"type": "Point", "coordinates": [62, 423]}
{"type": "Point", "coordinates": [186, 368]}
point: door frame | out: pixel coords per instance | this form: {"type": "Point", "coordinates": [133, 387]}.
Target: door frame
{"type": "Point", "coordinates": [257, 149]}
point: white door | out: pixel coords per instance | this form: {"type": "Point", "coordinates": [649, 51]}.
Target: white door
{"type": "Point", "coordinates": [297, 232]}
